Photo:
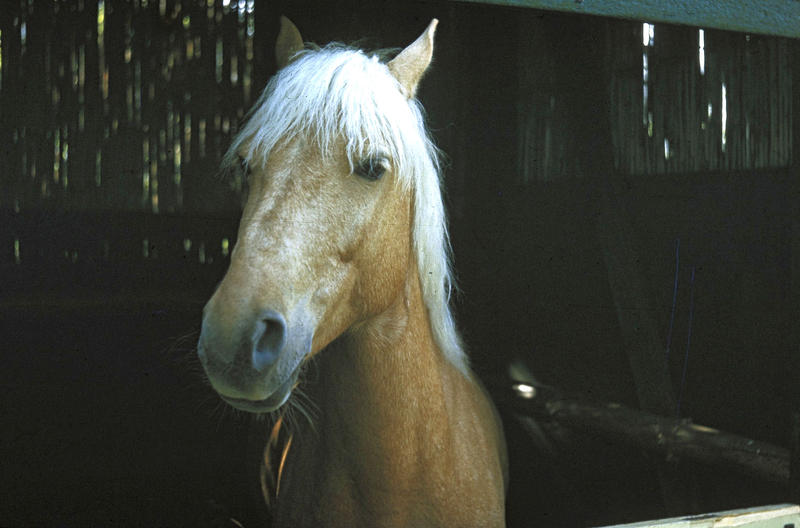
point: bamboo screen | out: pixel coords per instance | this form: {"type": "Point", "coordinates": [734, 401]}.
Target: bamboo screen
{"type": "Point", "coordinates": [127, 105]}
{"type": "Point", "coordinates": [687, 100]}
{"type": "Point", "coordinates": [681, 100]}
{"type": "Point", "coordinates": [112, 105]}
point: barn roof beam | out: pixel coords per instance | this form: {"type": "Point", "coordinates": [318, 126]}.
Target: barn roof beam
{"type": "Point", "coordinates": [768, 17]}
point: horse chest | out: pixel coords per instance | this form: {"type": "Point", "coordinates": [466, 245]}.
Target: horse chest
{"type": "Point", "coordinates": [320, 489]}
{"type": "Point", "coordinates": [317, 489]}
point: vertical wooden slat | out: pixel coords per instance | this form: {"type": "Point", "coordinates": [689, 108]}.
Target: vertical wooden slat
{"type": "Point", "coordinates": [794, 188]}
{"type": "Point", "coordinates": [11, 95]}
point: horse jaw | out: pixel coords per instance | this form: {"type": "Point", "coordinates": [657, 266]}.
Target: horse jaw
{"type": "Point", "coordinates": [410, 64]}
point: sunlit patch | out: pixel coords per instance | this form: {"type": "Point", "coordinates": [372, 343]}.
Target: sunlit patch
{"type": "Point", "coordinates": [724, 116]}
{"type": "Point", "coordinates": [701, 51]}
{"type": "Point", "coordinates": [648, 34]}
{"type": "Point", "coordinates": [98, 167]}
{"type": "Point", "coordinates": [523, 390]}
{"type": "Point", "coordinates": [218, 60]}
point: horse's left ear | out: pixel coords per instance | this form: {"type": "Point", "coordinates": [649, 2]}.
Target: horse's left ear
{"type": "Point", "coordinates": [411, 63]}
{"type": "Point", "coordinates": [288, 44]}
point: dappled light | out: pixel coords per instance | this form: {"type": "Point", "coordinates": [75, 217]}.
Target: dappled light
{"type": "Point", "coordinates": [112, 78]}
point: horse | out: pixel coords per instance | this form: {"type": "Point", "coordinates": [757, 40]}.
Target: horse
{"type": "Point", "coordinates": [343, 262]}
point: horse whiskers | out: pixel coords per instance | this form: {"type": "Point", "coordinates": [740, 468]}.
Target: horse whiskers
{"type": "Point", "coordinates": [182, 351]}
{"type": "Point", "coordinates": [302, 404]}
{"type": "Point", "coordinates": [301, 400]}
{"type": "Point", "coordinates": [191, 335]}
{"type": "Point", "coordinates": [208, 403]}
{"type": "Point", "coordinates": [224, 414]}
{"type": "Point", "coordinates": [184, 342]}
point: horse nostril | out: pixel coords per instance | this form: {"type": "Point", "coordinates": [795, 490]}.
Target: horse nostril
{"type": "Point", "coordinates": [269, 338]}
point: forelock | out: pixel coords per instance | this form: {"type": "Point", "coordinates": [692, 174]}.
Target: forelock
{"type": "Point", "coordinates": [334, 93]}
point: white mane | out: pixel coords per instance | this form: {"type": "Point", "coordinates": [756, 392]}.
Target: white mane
{"type": "Point", "coordinates": [338, 91]}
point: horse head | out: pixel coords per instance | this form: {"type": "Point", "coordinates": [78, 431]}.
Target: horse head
{"type": "Point", "coordinates": [335, 150]}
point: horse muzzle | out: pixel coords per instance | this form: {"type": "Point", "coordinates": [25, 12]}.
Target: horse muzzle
{"type": "Point", "coordinates": [253, 364]}
{"type": "Point", "coordinates": [268, 404]}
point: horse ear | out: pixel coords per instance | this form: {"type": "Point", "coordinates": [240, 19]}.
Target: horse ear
{"type": "Point", "coordinates": [411, 63]}
{"type": "Point", "coordinates": [288, 44]}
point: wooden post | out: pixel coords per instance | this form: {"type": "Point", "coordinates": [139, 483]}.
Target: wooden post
{"type": "Point", "coordinates": [794, 462]}
{"type": "Point", "coordinates": [577, 45]}
{"type": "Point", "coordinates": [629, 293]}
{"type": "Point", "coordinates": [794, 111]}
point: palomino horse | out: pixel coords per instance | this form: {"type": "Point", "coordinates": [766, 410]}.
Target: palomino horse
{"type": "Point", "coordinates": [342, 260]}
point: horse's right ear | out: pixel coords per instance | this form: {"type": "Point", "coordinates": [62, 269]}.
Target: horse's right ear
{"type": "Point", "coordinates": [411, 63]}
{"type": "Point", "coordinates": [288, 44]}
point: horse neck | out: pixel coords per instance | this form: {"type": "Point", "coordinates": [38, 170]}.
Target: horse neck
{"type": "Point", "coordinates": [385, 388]}
{"type": "Point", "coordinates": [401, 438]}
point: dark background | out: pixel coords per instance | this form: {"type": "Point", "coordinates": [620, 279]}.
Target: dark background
{"type": "Point", "coordinates": [566, 218]}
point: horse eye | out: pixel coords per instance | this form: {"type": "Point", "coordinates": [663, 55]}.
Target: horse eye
{"type": "Point", "coordinates": [244, 166]}
{"type": "Point", "coordinates": [372, 168]}
{"type": "Point", "coordinates": [244, 180]}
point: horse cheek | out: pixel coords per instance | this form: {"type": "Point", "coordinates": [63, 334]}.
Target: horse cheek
{"type": "Point", "coordinates": [385, 271]}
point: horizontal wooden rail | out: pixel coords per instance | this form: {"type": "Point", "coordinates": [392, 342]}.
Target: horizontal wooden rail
{"type": "Point", "coordinates": [768, 17]}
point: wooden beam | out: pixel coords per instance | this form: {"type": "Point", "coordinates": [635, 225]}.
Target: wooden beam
{"type": "Point", "coordinates": [644, 347]}
{"type": "Point", "coordinates": [670, 437]}
{"type": "Point", "coordinates": [768, 17]}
